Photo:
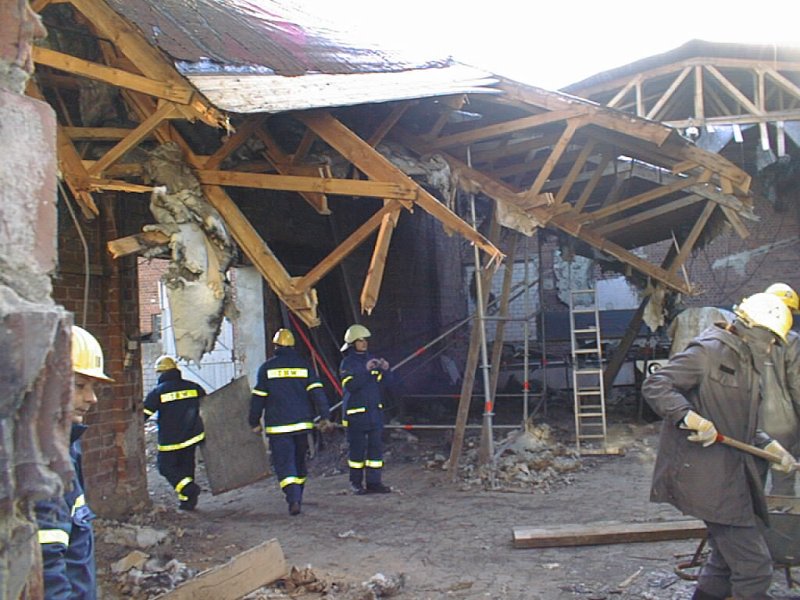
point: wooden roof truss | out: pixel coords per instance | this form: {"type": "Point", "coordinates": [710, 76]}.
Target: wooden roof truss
{"type": "Point", "coordinates": [593, 173]}
{"type": "Point", "coordinates": [708, 91]}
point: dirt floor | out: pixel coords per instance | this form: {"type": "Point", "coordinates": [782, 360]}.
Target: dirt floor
{"type": "Point", "coordinates": [431, 538]}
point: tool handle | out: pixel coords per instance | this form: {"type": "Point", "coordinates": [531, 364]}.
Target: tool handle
{"type": "Point", "coordinates": [750, 449]}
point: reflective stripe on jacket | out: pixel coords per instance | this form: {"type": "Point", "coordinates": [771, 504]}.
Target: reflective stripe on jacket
{"type": "Point", "coordinates": [364, 389]}
{"type": "Point", "coordinates": [66, 537]}
{"type": "Point", "coordinates": [288, 395]}
{"type": "Point", "coordinates": [177, 402]}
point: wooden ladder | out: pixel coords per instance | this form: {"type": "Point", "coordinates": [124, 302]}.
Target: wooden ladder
{"type": "Point", "coordinates": [587, 372]}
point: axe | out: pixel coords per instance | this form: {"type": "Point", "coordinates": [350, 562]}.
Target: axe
{"type": "Point", "coordinates": [750, 449]}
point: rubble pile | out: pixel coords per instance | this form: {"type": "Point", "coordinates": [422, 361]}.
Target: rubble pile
{"type": "Point", "coordinates": [304, 581]}
{"type": "Point", "coordinates": [525, 460]}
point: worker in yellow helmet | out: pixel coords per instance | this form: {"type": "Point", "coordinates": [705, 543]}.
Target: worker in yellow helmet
{"type": "Point", "coordinates": [65, 523]}
{"type": "Point", "coordinates": [780, 411]}
{"type": "Point", "coordinates": [287, 397]}
{"type": "Point", "coordinates": [180, 428]}
{"type": "Point", "coordinates": [710, 388]}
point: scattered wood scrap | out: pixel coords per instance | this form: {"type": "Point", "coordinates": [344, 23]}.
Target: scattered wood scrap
{"type": "Point", "coordinates": [241, 575]}
{"type": "Point", "coordinates": [606, 532]}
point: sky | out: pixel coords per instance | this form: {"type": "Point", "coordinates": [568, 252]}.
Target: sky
{"type": "Point", "coordinates": [552, 43]}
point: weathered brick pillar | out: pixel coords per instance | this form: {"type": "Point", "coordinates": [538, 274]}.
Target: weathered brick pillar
{"type": "Point", "coordinates": [35, 373]}
{"type": "Point", "coordinates": [113, 446]}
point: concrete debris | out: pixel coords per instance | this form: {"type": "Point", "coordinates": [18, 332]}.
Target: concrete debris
{"type": "Point", "coordinates": [134, 536]}
{"type": "Point", "coordinates": [525, 460]}
{"type": "Point", "coordinates": [157, 576]}
{"type": "Point", "coordinates": [305, 581]}
{"type": "Point", "coordinates": [201, 251]}
{"type": "Point", "coordinates": [135, 559]}
{"type": "Point", "coordinates": [386, 586]}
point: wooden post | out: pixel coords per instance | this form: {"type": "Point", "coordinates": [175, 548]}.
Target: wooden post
{"type": "Point", "coordinates": [470, 367]}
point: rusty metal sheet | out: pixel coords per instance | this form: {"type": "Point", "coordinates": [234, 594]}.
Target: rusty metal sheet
{"type": "Point", "coordinates": [234, 456]}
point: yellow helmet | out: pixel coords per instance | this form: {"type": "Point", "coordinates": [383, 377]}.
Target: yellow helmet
{"type": "Point", "coordinates": [283, 337]}
{"type": "Point", "coordinates": [87, 356]}
{"type": "Point", "coordinates": [765, 310]}
{"type": "Point", "coordinates": [786, 294]}
{"type": "Point", "coordinates": [356, 332]}
{"type": "Point", "coordinates": [165, 363]}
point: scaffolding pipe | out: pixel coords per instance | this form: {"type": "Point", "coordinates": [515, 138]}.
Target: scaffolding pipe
{"type": "Point", "coordinates": [487, 448]}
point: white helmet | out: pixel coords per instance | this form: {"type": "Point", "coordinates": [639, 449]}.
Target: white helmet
{"type": "Point", "coordinates": [765, 310]}
{"type": "Point", "coordinates": [353, 333]}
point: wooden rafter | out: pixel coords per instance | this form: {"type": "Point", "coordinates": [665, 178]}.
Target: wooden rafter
{"type": "Point", "coordinates": [555, 155]}
{"type": "Point", "coordinates": [646, 215]}
{"type": "Point", "coordinates": [377, 264]}
{"type": "Point", "coordinates": [171, 91]}
{"type": "Point", "coordinates": [234, 141]}
{"type": "Point", "coordinates": [319, 185]}
{"type": "Point", "coordinates": [691, 239]}
{"type": "Point", "coordinates": [376, 166]}
{"type": "Point", "coordinates": [574, 171]}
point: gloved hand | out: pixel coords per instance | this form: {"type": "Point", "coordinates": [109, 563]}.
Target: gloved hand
{"type": "Point", "coordinates": [373, 363]}
{"type": "Point", "coordinates": [325, 426]}
{"type": "Point", "coordinates": [704, 430]}
{"type": "Point", "coordinates": [383, 364]}
{"type": "Point", "coordinates": [256, 429]}
{"type": "Point", "coordinates": [787, 460]}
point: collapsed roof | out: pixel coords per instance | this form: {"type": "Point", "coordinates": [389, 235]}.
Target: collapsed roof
{"type": "Point", "coordinates": [613, 181]}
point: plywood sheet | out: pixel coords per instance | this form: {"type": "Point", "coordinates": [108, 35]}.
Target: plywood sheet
{"type": "Point", "coordinates": [234, 456]}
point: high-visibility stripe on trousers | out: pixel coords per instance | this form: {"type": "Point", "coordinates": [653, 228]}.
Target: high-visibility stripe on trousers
{"type": "Point", "coordinates": [366, 456]}
{"type": "Point", "coordinates": [288, 451]}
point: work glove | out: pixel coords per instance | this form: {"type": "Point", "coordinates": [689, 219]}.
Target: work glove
{"type": "Point", "coordinates": [787, 464]}
{"type": "Point", "coordinates": [256, 429]}
{"type": "Point", "coordinates": [383, 364]}
{"type": "Point", "coordinates": [325, 426]}
{"type": "Point", "coordinates": [704, 431]}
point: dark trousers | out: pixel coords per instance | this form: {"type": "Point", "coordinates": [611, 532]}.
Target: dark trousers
{"type": "Point", "coordinates": [289, 461]}
{"type": "Point", "coordinates": [177, 467]}
{"type": "Point", "coordinates": [739, 565]}
{"type": "Point", "coordinates": [366, 454]}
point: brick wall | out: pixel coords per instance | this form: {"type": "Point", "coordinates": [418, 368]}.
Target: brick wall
{"type": "Point", "coordinates": [114, 459]}
{"type": "Point", "coordinates": [150, 272]}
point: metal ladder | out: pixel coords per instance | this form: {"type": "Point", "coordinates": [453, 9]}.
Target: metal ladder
{"type": "Point", "coordinates": [587, 372]}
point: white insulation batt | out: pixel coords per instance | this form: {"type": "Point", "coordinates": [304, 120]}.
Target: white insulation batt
{"type": "Point", "coordinates": [201, 251]}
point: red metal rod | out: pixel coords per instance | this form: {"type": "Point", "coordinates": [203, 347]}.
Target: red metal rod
{"type": "Point", "coordinates": [315, 354]}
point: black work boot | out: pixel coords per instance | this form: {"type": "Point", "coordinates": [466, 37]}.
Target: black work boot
{"type": "Point", "coordinates": [378, 488]}
{"type": "Point", "coordinates": [192, 493]}
{"type": "Point", "coordinates": [701, 595]}
{"type": "Point", "coordinates": [357, 489]}
{"type": "Point", "coordinates": [294, 508]}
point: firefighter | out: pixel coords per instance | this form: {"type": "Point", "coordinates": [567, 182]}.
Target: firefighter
{"type": "Point", "coordinates": [780, 410]}
{"type": "Point", "coordinates": [288, 396]}
{"type": "Point", "coordinates": [715, 384]}
{"type": "Point", "coordinates": [65, 523]}
{"type": "Point", "coordinates": [180, 428]}
{"type": "Point", "coordinates": [365, 381]}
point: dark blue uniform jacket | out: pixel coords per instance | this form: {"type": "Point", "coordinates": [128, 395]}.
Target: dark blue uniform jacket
{"type": "Point", "coordinates": [364, 390]}
{"type": "Point", "coordinates": [285, 385]}
{"type": "Point", "coordinates": [177, 402]}
{"type": "Point", "coordinates": [66, 538]}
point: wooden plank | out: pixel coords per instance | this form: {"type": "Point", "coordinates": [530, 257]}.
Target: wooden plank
{"type": "Point", "coordinates": [323, 185]}
{"type": "Point", "coordinates": [620, 95]}
{"type": "Point", "coordinates": [574, 171]}
{"type": "Point", "coordinates": [646, 215]}
{"type": "Point", "coordinates": [606, 532]}
{"type": "Point", "coordinates": [285, 164]}
{"type": "Point", "coordinates": [245, 572]}
{"type": "Point", "coordinates": [555, 154]}
{"type": "Point", "coordinates": [134, 244]}
{"type": "Point", "coordinates": [499, 129]}
{"type": "Point", "coordinates": [97, 134]}
{"type": "Point", "coordinates": [112, 76]}
{"type": "Point", "coordinates": [144, 129]}
{"type": "Point", "coordinates": [376, 166]}
{"type": "Point", "coordinates": [733, 91]}
{"type": "Point", "coordinates": [586, 193]}
{"type": "Point", "coordinates": [377, 264]}
{"type": "Point", "coordinates": [691, 239]}
{"type": "Point", "coordinates": [662, 101]}
{"type": "Point", "coordinates": [352, 242]}
{"type": "Point", "coordinates": [242, 134]}
{"type": "Point", "coordinates": [117, 185]}
{"type": "Point", "coordinates": [390, 121]}
{"type": "Point", "coordinates": [638, 200]}
{"type": "Point", "coordinates": [787, 85]}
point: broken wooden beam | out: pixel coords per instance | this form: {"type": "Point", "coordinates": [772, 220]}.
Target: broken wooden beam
{"type": "Point", "coordinates": [135, 244]}
{"type": "Point", "coordinates": [606, 532]}
{"type": "Point", "coordinates": [238, 577]}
